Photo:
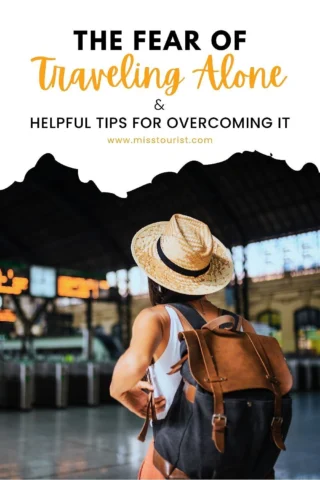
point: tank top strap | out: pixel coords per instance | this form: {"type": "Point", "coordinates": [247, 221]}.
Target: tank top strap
{"type": "Point", "coordinates": [191, 314]}
{"type": "Point", "coordinates": [175, 325]}
{"type": "Point", "coordinates": [163, 383]}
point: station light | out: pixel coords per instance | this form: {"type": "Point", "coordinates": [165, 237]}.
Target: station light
{"type": "Point", "coordinates": [138, 281]}
{"type": "Point", "coordinates": [11, 284]}
{"type": "Point", "coordinates": [79, 287]}
{"type": "Point", "coordinates": [112, 279]}
{"type": "Point", "coordinates": [7, 315]}
{"type": "Point", "coordinates": [43, 282]}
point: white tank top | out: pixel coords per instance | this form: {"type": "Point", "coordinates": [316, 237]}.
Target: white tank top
{"type": "Point", "coordinates": [163, 383]}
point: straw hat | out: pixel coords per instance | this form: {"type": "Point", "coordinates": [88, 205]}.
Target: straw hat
{"type": "Point", "coordinates": [183, 255]}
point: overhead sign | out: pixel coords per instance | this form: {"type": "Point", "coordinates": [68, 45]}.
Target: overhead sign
{"type": "Point", "coordinates": [12, 284]}
{"type": "Point", "coordinates": [79, 287]}
{"type": "Point", "coordinates": [7, 315]}
{"type": "Point", "coordinates": [43, 282]}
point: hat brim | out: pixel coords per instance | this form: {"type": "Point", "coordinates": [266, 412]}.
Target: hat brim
{"type": "Point", "coordinates": [144, 251]}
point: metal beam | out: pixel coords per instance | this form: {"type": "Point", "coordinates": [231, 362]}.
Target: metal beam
{"type": "Point", "coordinates": [89, 328]}
{"type": "Point", "coordinates": [27, 323]}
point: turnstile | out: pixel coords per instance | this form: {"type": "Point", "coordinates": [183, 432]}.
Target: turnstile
{"type": "Point", "coordinates": [315, 373]}
{"type": "Point", "coordinates": [106, 370]}
{"type": "Point", "coordinates": [2, 385]}
{"type": "Point", "coordinates": [294, 369]}
{"type": "Point", "coordinates": [305, 373]}
{"type": "Point", "coordinates": [51, 385]}
{"type": "Point", "coordinates": [17, 385]}
{"type": "Point", "coordinates": [84, 384]}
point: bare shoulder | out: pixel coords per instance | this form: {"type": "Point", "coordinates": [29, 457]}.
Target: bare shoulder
{"type": "Point", "coordinates": [157, 315]}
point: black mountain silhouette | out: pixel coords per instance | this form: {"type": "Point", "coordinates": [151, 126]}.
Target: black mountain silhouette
{"type": "Point", "coordinates": [52, 218]}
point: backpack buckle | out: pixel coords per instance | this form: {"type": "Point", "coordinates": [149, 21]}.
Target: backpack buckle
{"type": "Point", "coordinates": [273, 379]}
{"type": "Point", "coordinates": [278, 420]}
{"type": "Point", "coordinates": [219, 417]}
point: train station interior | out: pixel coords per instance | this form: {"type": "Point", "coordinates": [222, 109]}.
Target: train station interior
{"type": "Point", "coordinates": [70, 291]}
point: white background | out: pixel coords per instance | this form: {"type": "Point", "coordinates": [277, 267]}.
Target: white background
{"type": "Point", "coordinates": [278, 33]}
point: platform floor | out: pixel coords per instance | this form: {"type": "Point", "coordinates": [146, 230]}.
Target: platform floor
{"type": "Point", "coordinates": [101, 442]}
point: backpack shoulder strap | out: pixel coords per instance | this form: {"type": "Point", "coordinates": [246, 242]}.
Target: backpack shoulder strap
{"type": "Point", "coordinates": [188, 316]}
{"type": "Point", "coordinates": [240, 322]}
{"type": "Point", "coordinates": [235, 316]}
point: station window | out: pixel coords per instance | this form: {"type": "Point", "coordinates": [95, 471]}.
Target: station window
{"type": "Point", "coordinates": [269, 323]}
{"type": "Point", "coordinates": [135, 281]}
{"type": "Point", "coordinates": [138, 282]}
{"type": "Point", "coordinates": [307, 329]}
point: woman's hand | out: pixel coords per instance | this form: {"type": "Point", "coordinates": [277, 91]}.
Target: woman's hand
{"type": "Point", "coordinates": [136, 400]}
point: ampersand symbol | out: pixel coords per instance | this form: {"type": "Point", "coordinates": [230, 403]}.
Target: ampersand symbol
{"type": "Point", "coordinates": [158, 105]}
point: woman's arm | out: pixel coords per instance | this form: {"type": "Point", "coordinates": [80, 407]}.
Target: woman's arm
{"type": "Point", "coordinates": [126, 384]}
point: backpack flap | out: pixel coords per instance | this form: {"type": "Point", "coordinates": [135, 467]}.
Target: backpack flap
{"type": "Point", "coordinates": [236, 361]}
{"type": "Point", "coordinates": [277, 361]}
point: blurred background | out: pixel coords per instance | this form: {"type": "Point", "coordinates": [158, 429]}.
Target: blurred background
{"type": "Point", "coordinates": [69, 292]}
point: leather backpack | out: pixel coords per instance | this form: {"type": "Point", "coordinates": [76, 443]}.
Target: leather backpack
{"type": "Point", "coordinates": [231, 413]}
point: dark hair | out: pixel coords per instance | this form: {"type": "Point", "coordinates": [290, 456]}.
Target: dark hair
{"type": "Point", "coordinates": [161, 295]}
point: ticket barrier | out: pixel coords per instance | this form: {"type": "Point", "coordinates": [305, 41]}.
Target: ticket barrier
{"type": "Point", "coordinates": [106, 370]}
{"type": "Point", "coordinates": [51, 384]}
{"type": "Point", "coordinates": [293, 365]}
{"type": "Point", "coordinates": [312, 373]}
{"type": "Point", "coordinates": [16, 385]}
{"type": "Point", "coordinates": [84, 384]}
{"type": "Point", "coordinates": [315, 367]}
{"type": "Point", "coordinates": [306, 373]}
{"type": "Point", "coordinates": [2, 385]}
